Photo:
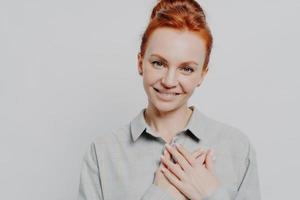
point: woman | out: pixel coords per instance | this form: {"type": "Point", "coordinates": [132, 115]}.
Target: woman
{"type": "Point", "coordinates": [133, 163]}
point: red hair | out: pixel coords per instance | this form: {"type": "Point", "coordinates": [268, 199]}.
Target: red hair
{"type": "Point", "coordinates": [180, 15]}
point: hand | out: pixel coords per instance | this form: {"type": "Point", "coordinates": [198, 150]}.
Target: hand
{"type": "Point", "coordinates": [161, 181]}
{"type": "Point", "coordinates": [196, 181]}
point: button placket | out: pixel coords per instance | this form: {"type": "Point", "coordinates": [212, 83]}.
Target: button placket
{"type": "Point", "coordinates": [174, 140]}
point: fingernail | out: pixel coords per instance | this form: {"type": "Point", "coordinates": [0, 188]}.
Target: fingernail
{"type": "Point", "coordinates": [167, 145]}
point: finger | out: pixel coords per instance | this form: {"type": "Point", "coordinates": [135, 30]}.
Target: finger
{"type": "Point", "coordinates": [186, 154]}
{"type": "Point", "coordinates": [167, 154]}
{"type": "Point", "coordinates": [178, 157]}
{"type": "Point", "coordinates": [200, 159]}
{"type": "Point", "coordinates": [198, 152]}
{"type": "Point", "coordinates": [174, 168]}
{"type": "Point", "coordinates": [209, 164]}
{"type": "Point", "coordinates": [173, 179]}
{"type": "Point", "coordinates": [172, 157]}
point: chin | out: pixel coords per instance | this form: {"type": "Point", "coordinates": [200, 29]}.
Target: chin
{"type": "Point", "coordinates": [166, 106]}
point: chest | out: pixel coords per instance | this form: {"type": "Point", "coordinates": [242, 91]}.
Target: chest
{"type": "Point", "coordinates": [128, 173]}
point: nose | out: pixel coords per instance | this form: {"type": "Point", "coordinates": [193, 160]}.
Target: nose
{"type": "Point", "coordinates": [170, 79]}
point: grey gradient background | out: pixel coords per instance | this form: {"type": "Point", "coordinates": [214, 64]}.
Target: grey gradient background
{"type": "Point", "coordinates": [68, 73]}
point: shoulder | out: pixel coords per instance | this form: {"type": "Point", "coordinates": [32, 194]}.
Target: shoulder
{"type": "Point", "coordinates": [220, 130]}
{"type": "Point", "coordinates": [116, 137]}
{"type": "Point", "coordinates": [227, 137]}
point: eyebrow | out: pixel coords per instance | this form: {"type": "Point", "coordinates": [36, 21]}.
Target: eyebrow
{"type": "Point", "coordinates": [164, 60]}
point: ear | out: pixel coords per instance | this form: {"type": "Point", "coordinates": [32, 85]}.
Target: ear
{"type": "Point", "coordinates": [140, 64]}
{"type": "Point", "coordinates": [203, 75]}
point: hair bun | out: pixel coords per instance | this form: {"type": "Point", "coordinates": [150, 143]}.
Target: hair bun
{"type": "Point", "coordinates": [175, 6]}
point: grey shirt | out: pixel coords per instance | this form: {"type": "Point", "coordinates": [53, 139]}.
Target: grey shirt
{"type": "Point", "coordinates": [122, 164]}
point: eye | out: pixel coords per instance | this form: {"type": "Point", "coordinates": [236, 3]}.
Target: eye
{"type": "Point", "coordinates": [188, 69]}
{"type": "Point", "coordinates": [157, 64]}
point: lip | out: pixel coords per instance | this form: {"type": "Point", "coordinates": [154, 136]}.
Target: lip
{"type": "Point", "coordinates": [165, 97]}
{"type": "Point", "coordinates": [164, 92]}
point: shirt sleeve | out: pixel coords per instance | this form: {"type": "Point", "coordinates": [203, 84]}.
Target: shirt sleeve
{"type": "Point", "coordinates": [90, 187]}
{"type": "Point", "coordinates": [249, 188]}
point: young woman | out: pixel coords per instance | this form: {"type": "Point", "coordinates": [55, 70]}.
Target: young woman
{"type": "Point", "coordinates": [171, 150]}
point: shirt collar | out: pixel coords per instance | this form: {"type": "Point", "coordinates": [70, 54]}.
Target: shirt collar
{"type": "Point", "coordinates": [196, 124]}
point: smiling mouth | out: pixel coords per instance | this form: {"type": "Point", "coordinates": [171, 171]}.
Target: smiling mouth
{"type": "Point", "coordinates": [166, 93]}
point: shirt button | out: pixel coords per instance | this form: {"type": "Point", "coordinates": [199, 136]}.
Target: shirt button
{"type": "Point", "coordinates": [174, 140]}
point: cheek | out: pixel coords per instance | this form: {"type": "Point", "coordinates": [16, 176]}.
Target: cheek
{"type": "Point", "coordinates": [151, 76]}
{"type": "Point", "coordinates": [188, 84]}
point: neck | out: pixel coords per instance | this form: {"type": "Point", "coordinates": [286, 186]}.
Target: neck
{"type": "Point", "coordinates": [167, 124]}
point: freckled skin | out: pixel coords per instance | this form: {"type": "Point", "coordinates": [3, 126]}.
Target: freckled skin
{"type": "Point", "coordinates": [176, 47]}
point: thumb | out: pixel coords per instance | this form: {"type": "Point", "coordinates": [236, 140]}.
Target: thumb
{"type": "Point", "coordinates": [209, 163]}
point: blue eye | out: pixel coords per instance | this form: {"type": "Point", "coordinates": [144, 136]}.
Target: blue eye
{"type": "Point", "coordinates": [188, 69]}
{"type": "Point", "coordinates": [157, 63]}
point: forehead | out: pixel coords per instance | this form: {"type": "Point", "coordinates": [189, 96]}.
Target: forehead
{"type": "Point", "coordinates": [176, 45]}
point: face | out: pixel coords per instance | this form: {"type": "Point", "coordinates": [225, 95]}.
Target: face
{"type": "Point", "coordinates": [172, 67]}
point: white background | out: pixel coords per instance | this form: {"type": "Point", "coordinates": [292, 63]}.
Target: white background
{"type": "Point", "coordinates": [68, 73]}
